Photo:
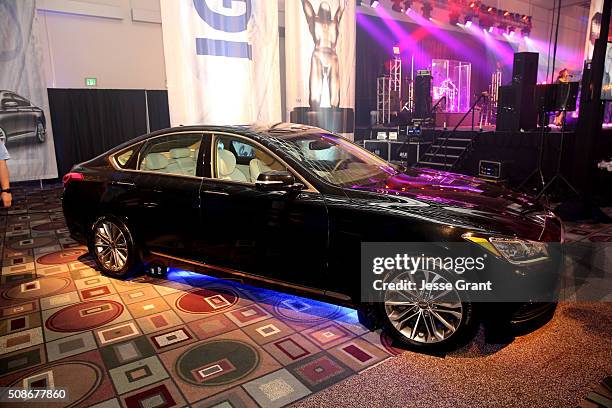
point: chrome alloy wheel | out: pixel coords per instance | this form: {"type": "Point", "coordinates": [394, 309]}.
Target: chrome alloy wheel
{"type": "Point", "coordinates": [424, 316]}
{"type": "Point", "coordinates": [110, 246]}
{"type": "Point", "coordinates": [41, 133]}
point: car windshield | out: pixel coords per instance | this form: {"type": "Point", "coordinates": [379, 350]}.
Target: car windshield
{"type": "Point", "coordinates": [336, 159]}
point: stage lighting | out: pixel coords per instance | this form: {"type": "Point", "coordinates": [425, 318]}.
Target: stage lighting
{"type": "Point", "coordinates": [374, 3]}
{"type": "Point", "coordinates": [491, 29]}
{"type": "Point", "coordinates": [396, 50]}
{"type": "Point", "coordinates": [453, 18]}
{"type": "Point", "coordinates": [397, 6]}
{"type": "Point", "coordinates": [426, 10]}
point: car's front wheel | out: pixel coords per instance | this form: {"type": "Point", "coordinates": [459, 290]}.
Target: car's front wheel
{"type": "Point", "coordinates": [113, 248]}
{"type": "Point", "coordinates": [427, 320]}
{"type": "Point", "coordinates": [2, 136]}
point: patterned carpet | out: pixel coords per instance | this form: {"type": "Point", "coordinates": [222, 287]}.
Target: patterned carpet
{"type": "Point", "coordinates": [190, 340]}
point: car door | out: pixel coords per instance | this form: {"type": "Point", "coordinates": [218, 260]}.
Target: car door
{"type": "Point", "coordinates": [272, 234]}
{"type": "Point", "coordinates": [9, 120]}
{"type": "Point", "coordinates": [27, 119]}
{"type": "Point", "coordinates": [168, 190]}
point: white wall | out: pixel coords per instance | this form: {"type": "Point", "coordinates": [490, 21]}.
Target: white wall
{"type": "Point", "coordinates": [119, 42]}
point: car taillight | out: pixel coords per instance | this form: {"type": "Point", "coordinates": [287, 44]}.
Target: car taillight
{"type": "Point", "coordinates": [69, 177]}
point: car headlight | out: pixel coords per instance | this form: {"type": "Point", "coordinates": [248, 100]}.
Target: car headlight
{"type": "Point", "coordinates": [514, 250]}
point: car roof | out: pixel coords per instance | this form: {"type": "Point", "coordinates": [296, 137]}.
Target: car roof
{"type": "Point", "coordinates": [257, 131]}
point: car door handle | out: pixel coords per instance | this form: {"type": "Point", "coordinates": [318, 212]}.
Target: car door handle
{"type": "Point", "coordinates": [123, 183]}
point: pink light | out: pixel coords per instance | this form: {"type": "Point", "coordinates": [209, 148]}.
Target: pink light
{"type": "Point", "coordinates": [468, 23]}
{"type": "Point", "coordinates": [408, 11]}
{"type": "Point", "coordinates": [491, 29]}
{"type": "Point", "coordinates": [374, 4]}
{"type": "Point", "coordinates": [396, 50]}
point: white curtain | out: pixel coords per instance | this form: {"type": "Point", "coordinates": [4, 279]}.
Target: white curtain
{"type": "Point", "coordinates": [222, 61]}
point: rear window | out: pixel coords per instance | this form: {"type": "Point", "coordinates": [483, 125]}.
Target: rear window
{"type": "Point", "coordinates": [123, 158]}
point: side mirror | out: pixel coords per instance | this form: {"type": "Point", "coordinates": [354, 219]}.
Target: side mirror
{"type": "Point", "coordinates": [277, 181]}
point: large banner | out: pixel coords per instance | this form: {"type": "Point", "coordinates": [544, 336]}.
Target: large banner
{"type": "Point", "coordinates": [25, 122]}
{"type": "Point", "coordinates": [222, 61]}
{"type": "Point", "coordinates": [594, 28]}
{"type": "Point", "coordinates": [320, 56]}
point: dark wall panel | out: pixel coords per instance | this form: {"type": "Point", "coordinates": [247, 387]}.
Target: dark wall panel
{"type": "Point", "coordinates": [159, 117]}
{"type": "Point", "coordinates": [88, 122]}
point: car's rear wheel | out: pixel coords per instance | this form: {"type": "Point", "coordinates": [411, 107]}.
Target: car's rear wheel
{"type": "Point", "coordinates": [423, 320]}
{"type": "Point", "coordinates": [113, 247]}
{"type": "Point", "coordinates": [2, 136]}
{"type": "Point", "coordinates": [41, 133]}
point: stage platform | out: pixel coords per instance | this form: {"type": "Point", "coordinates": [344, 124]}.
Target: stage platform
{"type": "Point", "coordinates": [519, 151]}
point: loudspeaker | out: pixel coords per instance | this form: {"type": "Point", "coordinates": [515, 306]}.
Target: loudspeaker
{"type": "Point", "coordinates": [525, 68]}
{"type": "Point", "coordinates": [422, 96]}
{"type": "Point", "coordinates": [378, 147]}
{"type": "Point", "coordinates": [507, 108]}
{"type": "Point", "coordinates": [525, 77]}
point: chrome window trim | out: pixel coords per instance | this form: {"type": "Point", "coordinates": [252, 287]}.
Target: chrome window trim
{"type": "Point", "coordinates": [117, 167]}
{"type": "Point", "coordinates": [309, 187]}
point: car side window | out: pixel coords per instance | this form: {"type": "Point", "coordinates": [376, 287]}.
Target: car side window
{"type": "Point", "coordinates": [172, 154]}
{"type": "Point", "coordinates": [21, 101]}
{"type": "Point", "coordinates": [124, 157]}
{"type": "Point", "coordinates": [236, 159]}
{"type": "Point", "coordinates": [6, 99]}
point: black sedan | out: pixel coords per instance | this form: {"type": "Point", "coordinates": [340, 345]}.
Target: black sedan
{"type": "Point", "coordinates": [289, 206]}
{"type": "Point", "coordinates": [19, 118]}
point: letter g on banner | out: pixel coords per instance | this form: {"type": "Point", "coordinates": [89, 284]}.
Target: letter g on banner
{"type": "Point", "coordinates": [227, 24]}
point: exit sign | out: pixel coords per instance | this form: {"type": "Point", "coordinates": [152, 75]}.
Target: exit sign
{"type": "Point", "coordinates": [91, 82]}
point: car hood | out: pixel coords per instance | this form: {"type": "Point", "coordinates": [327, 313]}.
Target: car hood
{"type": "Point", "coordinates": [461, 200]}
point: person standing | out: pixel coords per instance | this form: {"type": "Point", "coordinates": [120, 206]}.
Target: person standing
{"type": "Point", "coordinates": [563, 78]}
{"type": "Point", "coordinates": [5, 184]}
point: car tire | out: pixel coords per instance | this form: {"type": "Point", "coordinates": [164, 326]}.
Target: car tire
{"type": "Point", "coordinates": [113, 248]}
{"type": "Point", "coordinates": [427, 323]}
{"type": "Point", "coordinates": [41, 132]}
{"type": "Point", "coordinates": [2, 136]}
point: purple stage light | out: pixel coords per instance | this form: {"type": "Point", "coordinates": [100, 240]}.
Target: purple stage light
{"type": "Point", "coordinates": [405, 39]}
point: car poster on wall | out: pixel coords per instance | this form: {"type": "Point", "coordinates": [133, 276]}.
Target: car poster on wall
{"type": "Point", "coordinates": [25, 125]}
